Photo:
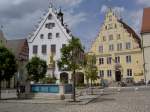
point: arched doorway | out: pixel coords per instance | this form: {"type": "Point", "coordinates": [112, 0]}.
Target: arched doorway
{"type": "Point", "coordinates": [64, 77]}
{"type": "Point", "coordinates": [118, 76]}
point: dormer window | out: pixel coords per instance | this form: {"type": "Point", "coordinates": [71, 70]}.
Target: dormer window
{"type": "Point", "coordinates": [49, 25]}
{"type": "Point", "coordinates": [50, 16]}
{"type": "Point", "coordinates": [42, 36]}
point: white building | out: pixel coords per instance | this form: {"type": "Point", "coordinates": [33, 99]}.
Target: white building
{"type": "Point", "coordinates": [50, 36]}
{"type": "Point", "coordinates": [145, 32]}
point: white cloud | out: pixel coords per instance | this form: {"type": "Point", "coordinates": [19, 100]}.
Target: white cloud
{"type": "Point", "coordinates": [68, 3]}
{"type": "Point", "coordinates": [116, 9]}
{"type": "Point", "coordinates": [136, 18]}
{"type": "Point", "coordinates": [74, 19]}
{"type": "Point", "coordinates": [19, 28]}
{"type": "Point", "coordinates": [144, 2]}
{"type": "Point", "coordinates": [103, 9]}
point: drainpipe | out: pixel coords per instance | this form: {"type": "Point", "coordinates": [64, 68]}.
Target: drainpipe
{"type": "Point", "coordinates": [143, 60]}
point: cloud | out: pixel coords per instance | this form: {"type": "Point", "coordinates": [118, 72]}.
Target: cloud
{"type": "Point", "coordinates": [144, 2]}
{"type": "Point", "coordinates": [68, 3]}
{"type": "Point", "coordinates": [73, 19]}
{"type": "Point", "coordinates": [117, 9]}
{"type": "Point", "coordinates": [103, 9]}
{"type": "Point", "coordinates": [19, 16]}
{"type": "Point", "coordinates": [135, 18]}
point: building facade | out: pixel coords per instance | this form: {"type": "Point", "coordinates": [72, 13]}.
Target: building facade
{"type": "Point", "coordinates": [48, 39]}
{"type": "Point", "coordinates": [19, 47]}
{"type": "Point", "coordinates": [145, 32]}
{"type": "Point", "coordinates": [118, 51]}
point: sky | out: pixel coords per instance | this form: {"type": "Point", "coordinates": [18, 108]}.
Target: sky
{"type": "Point", "coordinates": [18, 18]}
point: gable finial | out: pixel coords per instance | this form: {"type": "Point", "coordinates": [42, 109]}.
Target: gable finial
{"type": "Point", "coordinates": [51, 2]}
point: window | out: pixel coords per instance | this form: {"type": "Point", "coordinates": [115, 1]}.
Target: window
{"type": "Point", "coordinates": [104, 38]}
{"type": "Point", "coordinates": [110, 37]}
{"type": "Point", "coordinates": [117, 59]}
{"type": "Point", "coordinates": [109, 73]}
{"type": "Point", "coordinates": [49, 35]}
{"type": "Point", "coordinates": [118, 36]}
{"type": "Point", "coordinates": [128, 59]}
{"type": "Point", "coordinates": [53, 49]}
{"type": "Point", "coordinates": [44, 49]}
{"type": "Point", "coordinates": [109, 59]}
{"type": "Point", "coordinates": [50, 16]}
{"type": "Point", "coordinates": [110, 26]}
{"type": "Point", "coordinates": [105, 27]}
{"type": "Point", "coordinates": [57, 35]}
{"type": "Point", "coordinates": [111, 47]}
{"type": "Point", "coordinates": [129, 72]}
{"type": "Point", "coordinates": [49, 25]}
{"type": "Point", "coordinates": [101, 73]}
{"type": "Point", "coordinates": [119, 46]}
{"type": "Point", "coordinates": [115, 25]}
{"type": "Point", "coordinates": [35, 49]}
{"type": "Point", "coordinates": [101, 49]}
{"type": "Point", "coordinates": [42, 36]}
{"type": "Point", "coordinates": [110, 18]}
{"type": "Point", "coordinates": [101, 61]}
{"type": "Point", "coordinates": [128, 45]}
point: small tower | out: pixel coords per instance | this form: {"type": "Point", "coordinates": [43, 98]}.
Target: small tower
{"type": "Point", "coordinates": [60, 16]}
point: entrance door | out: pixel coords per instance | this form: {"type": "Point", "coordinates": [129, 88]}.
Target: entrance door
{"type": "Point", "coordinates": [118, 76]}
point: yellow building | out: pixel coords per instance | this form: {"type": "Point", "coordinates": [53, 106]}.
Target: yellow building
{"type": "Point", "coordinates": [118, 51]}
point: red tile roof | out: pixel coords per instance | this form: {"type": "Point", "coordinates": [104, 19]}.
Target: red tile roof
{"type": "Point", "coordinates": [146, 21]}
{"type": "Point", "coordinates": [131, 31]}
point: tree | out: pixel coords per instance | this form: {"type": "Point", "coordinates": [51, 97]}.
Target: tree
{"type": "Point", "coordinates": [71, 59]}
{"type": "Point", "coordinates": [90, 68]}
{"type": "Point", "coordinates": [36, 69]}
{"type": "Point", "coordinates": [8, 65]}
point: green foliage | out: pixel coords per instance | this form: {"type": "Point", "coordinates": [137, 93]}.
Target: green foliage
{"type": "Point", "coordinates": [70, 59]}
{"type": "Point", "coordinates": [8, 65]}
{"type": "Point", "coordinates": [49, 80]}
{"type": "Point", "coordinates": [90, 68]}
{"type": "Point", "coordinates": [36, 69]}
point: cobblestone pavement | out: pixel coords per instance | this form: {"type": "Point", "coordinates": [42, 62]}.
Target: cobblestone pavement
{"type": "Point", "coordinates": [135, 101]}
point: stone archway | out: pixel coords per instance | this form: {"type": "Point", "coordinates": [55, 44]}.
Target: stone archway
{"type": "Point", "coordinates": [64, 77]}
